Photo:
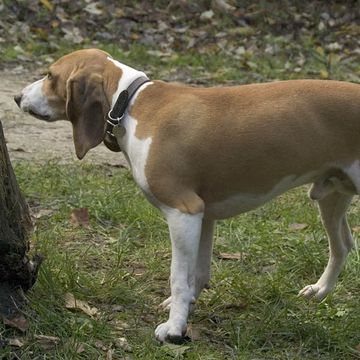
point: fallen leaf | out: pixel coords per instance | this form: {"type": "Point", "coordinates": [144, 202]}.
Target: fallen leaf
{"type": "Point", "coordinates": [207, 15]}
{"type": "Point", "coordinates": [119, 324]}
{"type": "Point", "coordinates": [72, 303]}
{"type": "Point", "coordinates": [15, 342]}
{"type": "Point", "coordinates": [335, 46]}
{"type": "Point", "coordinates": [193, 332]}
{"type": "Point", "coordinates": [100, 345]}
{"type": "Point", "coordinates": [321, 26]}
{"type": "Point", "coordinates": [55, 24]}
{"type": "Point", "coordinates": [222, 6]}
{"type": "Point", "coordinates": [119, 13]}
{"type": "Point", "coordinates": [296, 226]}
{"type": "Point", "coordinates": [341, 313]}
{"type": "Point", "coordinates": [93, 9]}
{"type": "Point", "coordinates": [73, 344]}
{"type": "Point", "coordinates": [320, 50]}
{"type": "Point", "coordinates": [117, 308]}
{"type": "Point", "coordinates": [80, 348]}
{"type": "Point", "coordinates": [73, 35]}
{"type": "Point", "coordinates": [18, 322]}
{"type": "Point", "coordinates": [244, 31]}
{"type": "Point", "coordinates": [47, 4]}
{"type": "Point", "coordinates": [122, 343]}
{"type": "Point", "coordinates": [80, 217]}
{"type": "Point", "coordinates": [42, 212]}
{"type": "Point", "coordinates": [109, 354]}
{"type": "Point", "coordinates": [19, 49]}
{"type": "Point", "coordinates": [240, 50]}
{"type": "Point", "coordinates": [47, 342]}
{"type": "Point", "coordinates": [232, 256]}
{"type": "Point", "coordinates": [251, 64]}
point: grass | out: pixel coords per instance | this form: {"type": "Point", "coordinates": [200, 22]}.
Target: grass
{"type": "Point", "coordinates": [120, 265]}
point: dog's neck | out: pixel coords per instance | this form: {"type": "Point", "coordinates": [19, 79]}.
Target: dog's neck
{"type": "Point", "coordinates": [128, 76]}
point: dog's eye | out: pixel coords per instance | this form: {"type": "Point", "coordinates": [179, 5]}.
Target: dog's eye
{"type": "Point", "coordinates": [49, 76]}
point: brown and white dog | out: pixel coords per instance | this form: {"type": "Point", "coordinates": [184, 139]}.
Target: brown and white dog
{"type": "Point", "coordinates": [201, 154]}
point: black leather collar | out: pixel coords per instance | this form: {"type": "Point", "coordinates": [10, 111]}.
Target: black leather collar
{"type": "Point", "coordinates": [116, 114]}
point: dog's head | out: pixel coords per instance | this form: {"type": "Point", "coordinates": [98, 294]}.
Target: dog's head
{"type": "Point", "coordinates": [78, 87]}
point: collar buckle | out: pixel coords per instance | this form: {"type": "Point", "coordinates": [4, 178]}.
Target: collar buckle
{"type": "Point", "coordinates": [114, 121]}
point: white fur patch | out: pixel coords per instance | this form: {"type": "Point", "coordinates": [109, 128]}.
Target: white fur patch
{"type": "Point", "coordinates": [128, 76]}
{"type": "Point", "coordinates": [135, 150]}
{"type": "Point", "coordinates": [33, 100]}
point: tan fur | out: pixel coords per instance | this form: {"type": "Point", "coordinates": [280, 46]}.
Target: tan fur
{"type": "Point", "coordinates": [220, 142]}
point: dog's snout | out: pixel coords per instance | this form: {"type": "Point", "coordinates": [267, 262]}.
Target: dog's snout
{"type": "Point", "coordinates": [17, 99]}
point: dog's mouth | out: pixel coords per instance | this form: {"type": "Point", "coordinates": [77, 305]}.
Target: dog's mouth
{"type": "Point", "coordinates": [39, 116]}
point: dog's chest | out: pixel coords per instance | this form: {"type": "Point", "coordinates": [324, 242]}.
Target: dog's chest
{"type": "Point", "coordinates": [136, 151]}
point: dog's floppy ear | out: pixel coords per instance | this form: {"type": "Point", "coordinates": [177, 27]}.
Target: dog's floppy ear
{"type": "Point", "coordinates": [86, 108]}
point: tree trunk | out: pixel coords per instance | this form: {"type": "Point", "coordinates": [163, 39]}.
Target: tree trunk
{"type": "Point", "coordinates": [17, 272]}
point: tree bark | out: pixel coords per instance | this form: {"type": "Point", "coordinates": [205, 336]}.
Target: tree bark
{"type": "Point", "coordinates": [17, 271]}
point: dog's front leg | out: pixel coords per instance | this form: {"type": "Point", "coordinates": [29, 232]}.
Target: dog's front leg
{"type": "Point", "coordinates": [185, 231]}
{"type": "Point", "coordinates": [203, 262]}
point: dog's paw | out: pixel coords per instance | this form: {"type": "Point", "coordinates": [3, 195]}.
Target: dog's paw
{"type": "Point", "coordinates": [316, 291]}
{"type": "Point", "coordinates": [167, 332]}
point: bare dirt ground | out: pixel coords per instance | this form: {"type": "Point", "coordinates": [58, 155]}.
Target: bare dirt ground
{"type": "Point", "coordinates": [34, 140]}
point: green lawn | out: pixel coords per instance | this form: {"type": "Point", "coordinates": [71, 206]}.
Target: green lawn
{"type": "Point", "coordinates": [120, 266]}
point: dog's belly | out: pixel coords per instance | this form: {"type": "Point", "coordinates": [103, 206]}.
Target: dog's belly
{"type": "Point", "coordinates": [241, 203]}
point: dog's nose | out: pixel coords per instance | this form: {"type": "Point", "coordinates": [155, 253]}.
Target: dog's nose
{"type": "Point", "coordinates": [17, 99]}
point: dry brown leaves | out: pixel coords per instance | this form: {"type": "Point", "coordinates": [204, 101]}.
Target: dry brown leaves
{"type": "Point", "coordinates": [18, 322]}
{"type": "Point", "coordinates": [232, 256]}
{"type": "Point", "coordinates": [72, 303]}
{"type": "Point", "coordinates": [80, 217]}
{"type": "Point", "coordinates": [298, 226]}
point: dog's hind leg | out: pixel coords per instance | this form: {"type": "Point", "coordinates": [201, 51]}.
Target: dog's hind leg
{"type": "Point", "coordinates": [332, 209]}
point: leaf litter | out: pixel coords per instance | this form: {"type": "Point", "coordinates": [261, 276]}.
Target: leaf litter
{"type": "Point", "coordinates": [47, 342]}
{"type": "Point", "coordinates": [18, 322]}
{"type": "Point", "coordinates": [242, 30]}
{"type": "Point", "coordinates": [80, 217]}
{"type": "Point", "coordinates": [72, 303]}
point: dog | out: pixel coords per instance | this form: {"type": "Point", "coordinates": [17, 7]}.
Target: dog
{"type": "Point", "coordinates": [202, 154]}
